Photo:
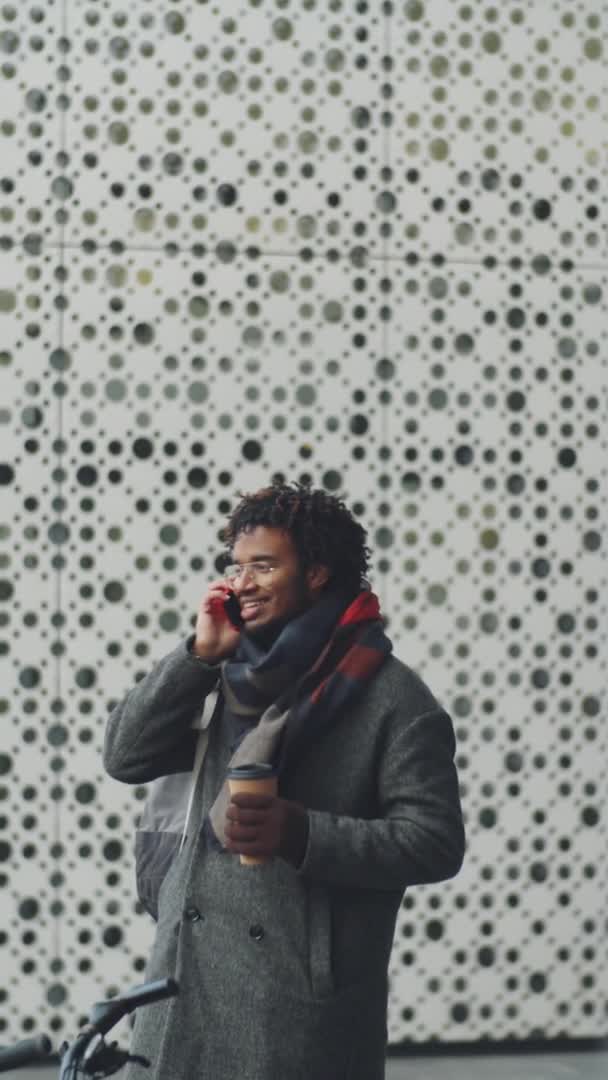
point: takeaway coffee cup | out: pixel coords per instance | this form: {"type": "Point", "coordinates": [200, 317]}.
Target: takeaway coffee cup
{"type": "Point", "coordinates": [255, 780]}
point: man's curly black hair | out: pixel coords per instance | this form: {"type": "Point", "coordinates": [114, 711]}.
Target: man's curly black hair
{"type": "Point", "coordinates": [322, 529]}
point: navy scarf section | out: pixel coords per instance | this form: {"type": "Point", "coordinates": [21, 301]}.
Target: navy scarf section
{"type": "Point", "coordinates": [315, 667]}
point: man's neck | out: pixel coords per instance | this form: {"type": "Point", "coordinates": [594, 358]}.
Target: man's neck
{"type": "Point", "coordinates": [266, 636]}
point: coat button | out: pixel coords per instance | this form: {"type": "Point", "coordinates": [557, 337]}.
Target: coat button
{"type": "Point", "coordinates": [192, 914]}
{"type": "Point", "coordinates": [256, 932]}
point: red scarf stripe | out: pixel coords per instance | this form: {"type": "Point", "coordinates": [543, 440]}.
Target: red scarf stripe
{"type": "Point", "coordinates": [360, 662]}
{"type": "Point", "coordinates": [365, 606]}
{"type": "Point", "coordinates": [318, 691]}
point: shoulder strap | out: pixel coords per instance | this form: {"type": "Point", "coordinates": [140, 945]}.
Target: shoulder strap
{"type": "Point", "coordinates": [201, 746]}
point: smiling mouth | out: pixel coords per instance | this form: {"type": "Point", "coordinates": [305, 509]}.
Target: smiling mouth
{"type": "Point", "coordinates": [250, 608]}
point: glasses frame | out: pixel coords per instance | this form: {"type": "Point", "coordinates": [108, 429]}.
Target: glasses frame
{"type": "Point", "coordinates": [260, 570]}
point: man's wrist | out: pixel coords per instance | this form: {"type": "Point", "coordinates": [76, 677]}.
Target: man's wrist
{"type": "Point", "coordinates": [191, 649]}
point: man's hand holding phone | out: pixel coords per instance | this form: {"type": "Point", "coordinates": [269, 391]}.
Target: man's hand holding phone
{"type": "Point", "coordinates": [216, 635]}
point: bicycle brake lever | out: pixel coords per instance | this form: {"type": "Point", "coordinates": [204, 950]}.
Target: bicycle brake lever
{"type": "Point", "coordinates": [106, 1060]}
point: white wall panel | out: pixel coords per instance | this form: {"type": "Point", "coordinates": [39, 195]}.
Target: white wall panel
{"type": "Point", "coordinates": [364, 243]}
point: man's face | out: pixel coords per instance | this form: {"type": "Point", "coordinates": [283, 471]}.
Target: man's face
{"type": "Point", "coordinates": [273, 599]}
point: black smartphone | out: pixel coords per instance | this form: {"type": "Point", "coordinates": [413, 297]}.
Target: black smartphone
{"type": "Point", "coordinates": [233, 611]}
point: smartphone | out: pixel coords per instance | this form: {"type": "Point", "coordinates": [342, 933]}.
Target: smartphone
{"type": "Point", "coordinates": [233, 611]}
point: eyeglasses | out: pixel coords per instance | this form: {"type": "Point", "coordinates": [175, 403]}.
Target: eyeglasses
{"type": "Point", "coordinates": [254, 570]}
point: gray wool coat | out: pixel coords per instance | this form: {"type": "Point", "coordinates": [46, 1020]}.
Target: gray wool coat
{"type": "Point", "coordinates": [283, 971]}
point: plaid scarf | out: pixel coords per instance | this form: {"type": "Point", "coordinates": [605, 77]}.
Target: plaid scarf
{"type": "Point", "coordinates": [282, 698]}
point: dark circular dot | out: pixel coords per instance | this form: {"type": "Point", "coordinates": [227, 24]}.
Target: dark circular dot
{"type": "Point", "coordinates": [29, 908]}
{"type": "Point", "coordinates": [112, 850]}
{"type": "Point", "coordinates": [516, 400]}
{"type": "Point", "coordinates": [332, 480]}
{"type": "Point", "coordinates": [85, 792]}
{"type": "Point", "coordinates": [490, 179]}
{"type": "Point", "coordinates": [87, 475]}
{"type": "Point", "coordinates": [197, 477]}
{"type": "Point", "coordinates": [541, 567]}
{"type": "Point", "coordinates": [56, 994]}
{"type": "Point", "coordinates": [567, 457]}
{"type": "Point", "coordinates": [590, 816]}
{"type": "Point", "coordinates": [172, 164]}
{"type": "Point", "coordinates": [463, 455]}
{"type": "Point", "coordinates": [114, 591]}
{"type": "Point", "coordinates": [143, 448]}
{"type": "Point", "coordinates": [541, 209]}
{"type": "Point", "coordinates": [410, 482]}
{"type": "Point", "coordinates": [361, 117]}
{"type": "Point", "coordinates": [460, 1013]}
{"type": "Point", "coordinates": [57, 735]}
{"type": "Point", "coordinates": [486, 956]}
{"type": "Point", "coordinates": [112, 936]}
{"type": "Point", "coordinates": [227, 194]}
{"type": "Point", "coordinates": [252, 450]}
{"type": "Point", "coordinates": [540, 678]}
{"type": "Point", "coordinates": [29, 677]}
{"type": "Point", "coordinates": [592, 540]}
{"type": "Point", "coordinates": [434, 929]}
{"type": "Point", "coordinates": [143, 333]}
{"type": "Point", "coordinates": [359, 424]}
{"type": "Point", "coordinates": [516, 484]}
{"type": "Point", "coordinates": [464, 344]}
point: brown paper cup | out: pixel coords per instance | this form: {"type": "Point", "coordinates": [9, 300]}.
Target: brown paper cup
{"type": "Point", "coordinates": [254, 780]}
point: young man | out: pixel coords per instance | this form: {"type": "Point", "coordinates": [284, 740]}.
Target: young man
{"type": "Point", "coordinates": [282, 966]}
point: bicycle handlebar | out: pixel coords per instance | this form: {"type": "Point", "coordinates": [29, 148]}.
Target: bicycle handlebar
{"type": "Point", "coordinates": [105, 1014]}
{"type": "Point", "coordinates": [26, 1052]}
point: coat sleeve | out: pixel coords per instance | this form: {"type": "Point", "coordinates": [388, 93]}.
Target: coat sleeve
{"type": "Point", "coordinates": [418, 837]}
{"type": "Point", "coordinates": [149, 733]}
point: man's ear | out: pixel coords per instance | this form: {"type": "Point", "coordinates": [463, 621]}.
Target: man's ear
{"type": "Point", "coordinates": [317, 577]}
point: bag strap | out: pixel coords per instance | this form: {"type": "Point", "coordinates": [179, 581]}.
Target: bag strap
{"type": "Point", "coordinates": [201, 747]}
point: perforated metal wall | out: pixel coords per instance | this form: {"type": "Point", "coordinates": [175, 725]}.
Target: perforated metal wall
{"type": "Point", "coordinates": [360, 241]}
